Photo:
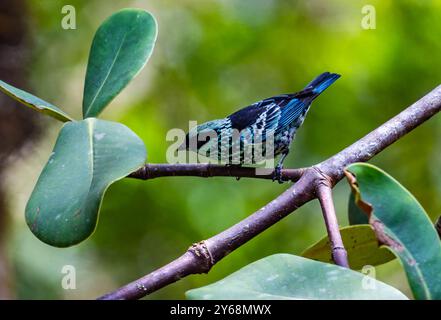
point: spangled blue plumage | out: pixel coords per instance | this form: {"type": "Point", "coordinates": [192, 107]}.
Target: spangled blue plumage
{"type": "Point", "coordinates": [278, 117]}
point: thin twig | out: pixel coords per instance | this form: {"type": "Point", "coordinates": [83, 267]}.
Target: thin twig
{"type": "Point", "coordinates": [202, 256]}
{"type": "Point", "coordinates": [339, 254]}
{"type": "Point", "coordinates": [206, 170]}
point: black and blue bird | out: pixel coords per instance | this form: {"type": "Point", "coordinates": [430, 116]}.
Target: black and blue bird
{"type": "Point", "coordinates": [276, 118]}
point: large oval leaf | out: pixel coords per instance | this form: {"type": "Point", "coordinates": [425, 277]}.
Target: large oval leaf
{"type": "Point", "coordinates": [284, 276]}
{"type": "Point", "coordinates": [360, 243]}
{"type": "Point", "coordinates": [120, 49]}
{"type": "Point", "coordinates": [401, 223]}
{"type": "Point", "coordinates": [34, 102]}
{"type": "Point", "coordinates": [88, 156]}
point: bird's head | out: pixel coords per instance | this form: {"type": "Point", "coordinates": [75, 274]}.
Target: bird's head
{"type": "Point", "coordinates": [202, 134]}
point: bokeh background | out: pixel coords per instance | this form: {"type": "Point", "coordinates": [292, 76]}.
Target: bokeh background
{"type": "Point", "coordinates": [211, 58]}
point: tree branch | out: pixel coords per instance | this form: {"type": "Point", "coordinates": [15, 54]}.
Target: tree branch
{"type": "Point", "coordinates": [206, 170]}
{"type": "Point", "coordinates": [203, 255]}
{"type": "Point", "coordinates": [324, 194]}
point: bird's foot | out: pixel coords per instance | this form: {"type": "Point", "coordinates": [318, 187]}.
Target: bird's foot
{"type": "Point", "coordinates": [277, 175]}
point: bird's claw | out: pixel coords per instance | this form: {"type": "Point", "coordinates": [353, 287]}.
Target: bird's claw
{"type": "Point", "coordinates": [278, 175]}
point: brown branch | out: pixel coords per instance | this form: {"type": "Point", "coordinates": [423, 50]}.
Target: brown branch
{"type": "Point", "coordinates": [206, 170]}
{"type": "Point", "coordinates": [324, 194]}
{"type": "Point", "coordinates": [202, 256]}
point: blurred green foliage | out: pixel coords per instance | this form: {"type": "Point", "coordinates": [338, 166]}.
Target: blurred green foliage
{"type": "Point", "coordinates": [213, 57]}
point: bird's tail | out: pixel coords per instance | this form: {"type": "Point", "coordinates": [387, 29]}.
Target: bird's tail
{"type": "Point", "coordinates": [320, 83]}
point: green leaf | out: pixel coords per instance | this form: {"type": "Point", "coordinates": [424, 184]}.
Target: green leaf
{"type": "Point", "coordinates": [360, 243]}
{"type": "Point", "coordinates": [88, 156]}
{"type": "Point", "coordinates": [401, 223]}
{"type": "Point", "coordinates": [34, 102]}
{"type": "Point", "coordinates": [438, 226]}
{"type": "Point", "coordinates": [284, 276]}
{"type": "Point", "coordinates": [355, 214]}
{"type": "Point", "coordinates": [121, 47]}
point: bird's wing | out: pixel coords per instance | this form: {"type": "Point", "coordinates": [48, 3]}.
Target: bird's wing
{"type": "Point", "coordinates": [292, 111]}
{"type": "Point", "coordinates": [263, 119]}
{"type": "Point", "coordinates": [261, 116]}
{"type": "Point", "coordinates": [271, 115]}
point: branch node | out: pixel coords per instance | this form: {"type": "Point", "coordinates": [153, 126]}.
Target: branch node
{"type": "Point", "coordinates": [322, 178]}
{"type": "Point", "coordinates": [201, 252]}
